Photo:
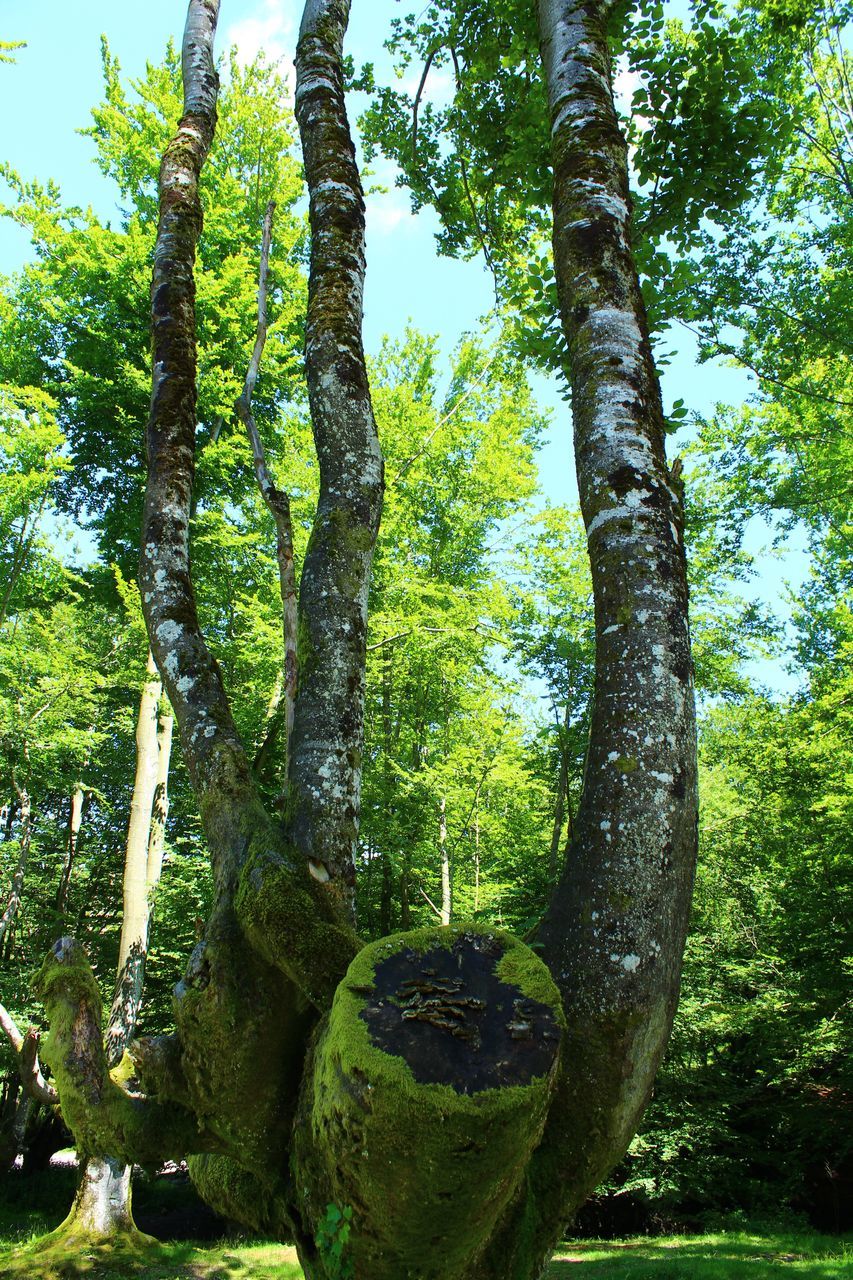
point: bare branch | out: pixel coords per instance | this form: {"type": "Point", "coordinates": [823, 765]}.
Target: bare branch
{"type": "Point", "coordinates": [417, 102]}
{"type": "Point", "coordinates": [277, 501]}
{"type": "Point", "coordinates": [26, 1050]}
{"type": "Point", "coordinates": [457, 404]}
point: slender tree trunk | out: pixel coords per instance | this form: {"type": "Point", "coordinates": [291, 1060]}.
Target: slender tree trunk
{"type": "Point", "coordinates": [25, 815]}
{"type": "Point", "coordinates": [560, 801]}
{"type": "Point", "coordinates": [276, 500]}
{"type": "Point", "coordinates": [387, 893]}
{"type": "Point", "coordinates": [405, 877]}
{"type": "Point", "coordinates": [75, 821]}
{"type": "Point", "coordinates": [477, 857]}
{"type": "Point", "coordinates": [387, 896]}
{"type": "Point", "coordinates": [102, 1206]}
{"type": "Point", "coordinates": [133, 943]}
{"type": "Point", "coordinates": [444, 855]}
{"type": "Point", "coordinates": [160, 807]}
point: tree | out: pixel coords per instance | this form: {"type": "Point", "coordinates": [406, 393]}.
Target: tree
{"type": "Point", "coordinates": [329, 1089]}
{"type": "Point", "coordinates": [102, 1206]}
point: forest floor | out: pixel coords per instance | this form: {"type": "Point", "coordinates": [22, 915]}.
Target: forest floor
{"type": "Point", "coordinates": [728, 1256]}
{"type": "Point", "coordinates": [724, 1256]}
{"type": "Point", "coordinates": [190, 1246]}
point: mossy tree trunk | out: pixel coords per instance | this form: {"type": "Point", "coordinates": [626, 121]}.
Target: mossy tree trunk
{"type": "Point", "coordinates": [435, 1105]}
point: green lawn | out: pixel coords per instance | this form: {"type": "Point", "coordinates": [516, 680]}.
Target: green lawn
{"type": "Point", "coordinates": [724, 1256]}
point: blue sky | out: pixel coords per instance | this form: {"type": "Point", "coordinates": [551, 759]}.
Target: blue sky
{"type": "Point", "coordinates": [48, 93]}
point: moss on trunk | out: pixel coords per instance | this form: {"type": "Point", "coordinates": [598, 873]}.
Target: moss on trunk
{"type": "Point", "coordinates": [430, 1084]}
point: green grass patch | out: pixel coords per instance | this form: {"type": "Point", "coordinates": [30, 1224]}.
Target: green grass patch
{"type": "Point", "coordinates": [224, 1261]}
{"type": "Point", "coordinates": [741, 1255]}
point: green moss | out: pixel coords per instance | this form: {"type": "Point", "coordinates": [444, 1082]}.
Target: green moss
{"type": "Point", "coordinates": [626, 764]}
{"type": "Point", "coordinates": [288, 917]}
{"type": "Point", "coordinates": [124, 1071]}
{"type": "Point", "coordinates": [520, 967]}
{"type": "Point", "coordinates": [239, 1195]}
{"type": "Point", "coordinates": [426, 1169]}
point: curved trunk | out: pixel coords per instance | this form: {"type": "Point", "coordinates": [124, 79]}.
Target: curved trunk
{"type": "Point", "coordinates": [325, 770]}
{"type": "Point", "coordinates": [614, 933]}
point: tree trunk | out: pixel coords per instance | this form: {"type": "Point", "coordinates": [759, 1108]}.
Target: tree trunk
{"type": "Point", "coordinates": [560, 801]}
{"type": "Point", "coordinates": [425, 1096]}
{"type": "Point", "coordinates": [101, 1211]}
{"type": "Point", "coordinates": [444, 855]}
{"type": "Point", "coordinates": [25, 816]}
{"type": "Point", "coordinates": [276, 500]}
{"type": "Point", "coordinates": [102, 1207]}
{"type": "Point", "coordinates": [405, 875]}
{"type": "Point", "coordinates": [160, 807]}
{"type": "Point", "coordinates": [435, 1105]}
{"type": "Point", "coordinates": [136, 886]}
{"type": "Point", "coordinates": [75, 821]}
{"type": "Point", "coordinates": [477, 856]}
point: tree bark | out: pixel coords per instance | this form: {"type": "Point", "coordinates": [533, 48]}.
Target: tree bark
{"type": "Point", "coordinates": [75, 822]}
{"type": "Point", "coordinates": [614, 933]}
{"type": "Point", "coordinates": [160, 807]}
{"type": "Point", "coordinates": [325, 774]}
{"type": "Point", "coordinates": [25, 816]}
{"type": "Point", "coordinates": [102, 1206]}
{"type": "Point", "coordinates": [560, 801]}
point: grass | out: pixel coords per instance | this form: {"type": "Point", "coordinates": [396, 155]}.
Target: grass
{"type": "Point", "coordinates": [31, 1207]}
{"type": "Point", "coordinates": [180, 1261]}
{"type": "Point", "coordinates": [734, 1255]}
{"type": "Point", "coordinates": [725, 1256]}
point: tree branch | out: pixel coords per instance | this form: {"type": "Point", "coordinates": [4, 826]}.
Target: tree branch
{"type": "Point", "coordinates": [97, 1104]}
{"type": "Point", "coordinates": [325, 768]}
{"type": "Point", "coordinates": [277, 500]}
{"type": "Point", "coordinates": [26, 1051]}
{"type": "Point", "coordinates": [217, 762]}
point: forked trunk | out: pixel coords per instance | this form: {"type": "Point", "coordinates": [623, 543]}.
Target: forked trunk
{"type": "Point", "coordinates": [436, 1105]}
